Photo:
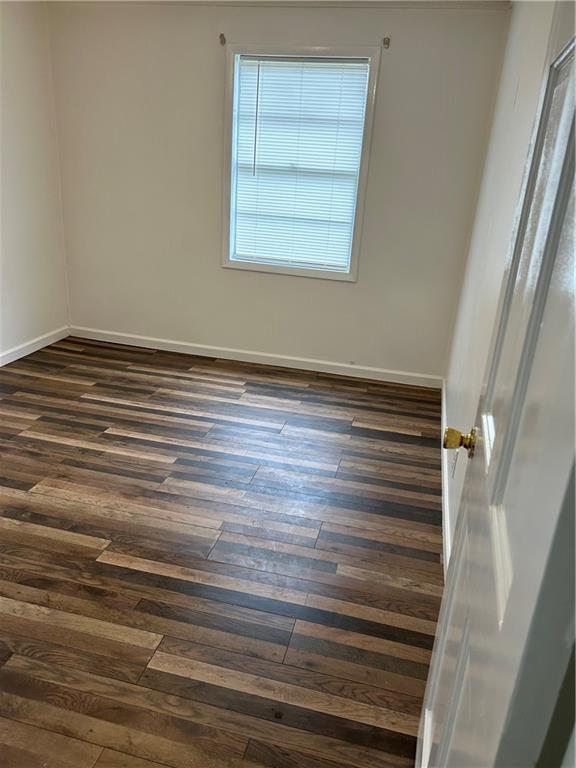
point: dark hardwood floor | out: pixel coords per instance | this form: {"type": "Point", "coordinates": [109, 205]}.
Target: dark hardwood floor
{"type": "Point", "coordinates": [207, 564]}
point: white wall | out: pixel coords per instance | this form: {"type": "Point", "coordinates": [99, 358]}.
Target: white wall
{"type": "Point", "coordinates": [140, 103]}
{"type": "Point", "coordinates": [519, 94]}
{"type": "Point", "coordinates": [33, 301]}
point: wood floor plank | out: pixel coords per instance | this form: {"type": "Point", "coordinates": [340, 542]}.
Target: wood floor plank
{"type": "Point", "coordinates": [138, 742]}
{"type": "Point", "coordinates": [387, 534]}
{"type": "Point", "coordinates": [112, 587]}
{"type": "Point", "coordinates": [112, 759]}
{"type": "Point", "coordinates": [196, 576]}
{"type": "Point", "coordinates": [373, 614]}
{"type": "Point", "coordinates": [107, 630]}
{"type": "Point", "coordinates": [213, 564]}
{"type": "Point", "coordinates": [45, 748]}
{"type": "Point", "coordinates": [66, 656]}
{"type": "Point", "coordinates": [31, 705]}
{"type": "Point", "coordinates": [364, 642]}
{"type": "Point", "coordinates": [279, 557]}
{"type": "Point", "coordinates": [422, 584]}
{"type": "Point", "coordinates": [360, 668]}
{"type": "Point", "coordinates": [26, 529]}
{"type": "Point", "coordinates": [286, 692]}
{"type": "Point", "coordinates": [284, 673]}
{"type": "Point", "coordinates": [83, 641]}
{"type": "Point", "coordinates": [276, 757]}
{"type": "Point", "coordinates": [67, 596]}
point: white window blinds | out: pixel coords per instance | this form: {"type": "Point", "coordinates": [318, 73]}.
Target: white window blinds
{"type": "Point", "coordinates": [297, 132]}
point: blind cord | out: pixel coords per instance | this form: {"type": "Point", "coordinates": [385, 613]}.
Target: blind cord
{"type": "Point", "coordinates": [256, 120]}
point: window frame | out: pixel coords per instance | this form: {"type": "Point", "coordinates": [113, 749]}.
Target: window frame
{"type": "Point", "coordinates": [369, 52]}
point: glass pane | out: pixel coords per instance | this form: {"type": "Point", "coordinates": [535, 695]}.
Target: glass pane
{"type": "Point", "coordinates": [297, 147]}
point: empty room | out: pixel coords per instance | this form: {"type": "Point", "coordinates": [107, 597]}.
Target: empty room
{"type": "Point", "coordinates": [287, 354]}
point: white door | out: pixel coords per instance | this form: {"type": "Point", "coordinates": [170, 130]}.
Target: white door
{"type": "Point", "coordinates": [517, 479]}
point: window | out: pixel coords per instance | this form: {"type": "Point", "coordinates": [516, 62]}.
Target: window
{"type": "Point", "coordinates": [297, 142]}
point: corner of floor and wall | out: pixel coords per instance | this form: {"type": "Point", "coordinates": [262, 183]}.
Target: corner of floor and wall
{"type": "Point", "coordinates": [111, 254]}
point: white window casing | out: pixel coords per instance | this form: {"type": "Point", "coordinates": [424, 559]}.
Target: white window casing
{"type": "Point", "coordinates": [298, 125]}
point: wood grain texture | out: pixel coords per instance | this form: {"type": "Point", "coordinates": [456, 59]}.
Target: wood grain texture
{"type": "Point", "coordinates": [23, 746]}
{"type": "Point", "coordinates": [213, 564]}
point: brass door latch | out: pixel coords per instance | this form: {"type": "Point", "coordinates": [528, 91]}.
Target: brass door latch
{"type": "Point", "coordinates": [454, 439]}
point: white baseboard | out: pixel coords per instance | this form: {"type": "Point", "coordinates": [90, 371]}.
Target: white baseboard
{"type": "Point", "coordinates": [249, 356]}
{"type": "Point", "coordinates": [445, 470]}
{"type": "Point", "coordinates": [15, 353]}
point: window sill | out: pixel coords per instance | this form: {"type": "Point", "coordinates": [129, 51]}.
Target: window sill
{"type": "Point", "coordinates": [322, 274]}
